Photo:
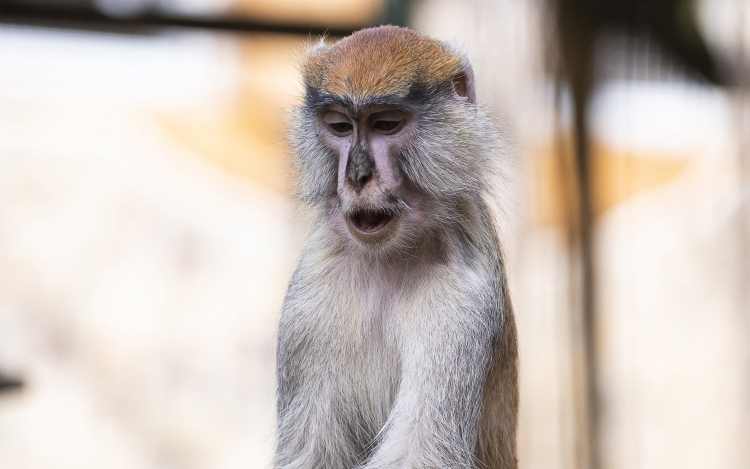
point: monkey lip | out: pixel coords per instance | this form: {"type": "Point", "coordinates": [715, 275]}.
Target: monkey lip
{"type": "Point", "coordinates": [370, 222]}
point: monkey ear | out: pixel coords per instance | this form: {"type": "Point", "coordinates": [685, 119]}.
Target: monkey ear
{"type": "Point", "coordinates": [463, 83]}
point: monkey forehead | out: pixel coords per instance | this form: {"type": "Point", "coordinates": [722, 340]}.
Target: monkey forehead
{"type": "Point", "coordinates": [357, 106]}
{"type": "Point", "coordinates": [387, 60]}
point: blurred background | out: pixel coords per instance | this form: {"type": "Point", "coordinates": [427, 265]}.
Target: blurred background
{"type": "Point", "coordinates": [148, 231]}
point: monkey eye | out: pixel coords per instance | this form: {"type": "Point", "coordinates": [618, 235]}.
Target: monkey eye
{"type": "Point", "coordinates": [341, 127]}
{"type": "Point", "coordinates": [337, 122]}
{"type": "Point", "coordinates": [386, 126]}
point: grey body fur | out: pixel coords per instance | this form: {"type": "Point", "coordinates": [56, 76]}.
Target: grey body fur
{"type": "Point", "coordinates": [402, 357]}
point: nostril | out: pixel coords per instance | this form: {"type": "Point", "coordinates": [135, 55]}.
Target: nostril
{"type": "Point", "coordinates": [359, 181]}
{"type": "Point", "coordinates": [364, 179]}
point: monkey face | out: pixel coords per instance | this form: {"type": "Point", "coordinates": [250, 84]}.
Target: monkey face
{"type": "Point", "coordinates": [371, 195]}
{"type": "Point", "coordinates": [388, 139]}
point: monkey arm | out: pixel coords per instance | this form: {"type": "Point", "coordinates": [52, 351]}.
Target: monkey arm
{"type": "Point", "coordinates": [449, 335]}
{"type": "Point", "coordinates": [316, 425]}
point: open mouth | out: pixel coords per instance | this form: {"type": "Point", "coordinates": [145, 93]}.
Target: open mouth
{"type": "Point", "coordinates": [370, 221]}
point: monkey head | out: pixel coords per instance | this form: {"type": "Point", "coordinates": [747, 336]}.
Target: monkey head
{"type": "Point", "coordinates": [388, 139]}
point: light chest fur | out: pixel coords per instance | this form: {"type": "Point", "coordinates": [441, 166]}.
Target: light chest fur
{"type": "Point", "coordinates": [361, 316]}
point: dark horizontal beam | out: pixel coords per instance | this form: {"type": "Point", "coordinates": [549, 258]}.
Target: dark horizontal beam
{"type": "Point", "coordinates": [22, 13]}
{"type": "Point", "coordinates": [9, 384]}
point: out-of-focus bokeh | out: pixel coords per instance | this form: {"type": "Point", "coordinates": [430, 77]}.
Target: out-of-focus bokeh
{"type": "Point", "coordinates": [148, 231]}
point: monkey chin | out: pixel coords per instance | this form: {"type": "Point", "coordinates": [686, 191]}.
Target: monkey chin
{"type": "Point", "coordinates": [371, 226]}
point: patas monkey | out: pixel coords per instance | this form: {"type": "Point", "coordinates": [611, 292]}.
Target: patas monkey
{"type": "Point", "coordinates": [397, 343]}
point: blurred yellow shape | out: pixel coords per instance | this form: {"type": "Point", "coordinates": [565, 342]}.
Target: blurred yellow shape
{"type": "Point", "coordinates": [617, 175]}
{"type": "Point", "coordinates": [323, 12]}
{"type": "Point", "coordinates": [245, 134]}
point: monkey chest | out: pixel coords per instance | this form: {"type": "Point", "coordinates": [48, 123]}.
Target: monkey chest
{"type": "Point", "coordinates": [361, 353]}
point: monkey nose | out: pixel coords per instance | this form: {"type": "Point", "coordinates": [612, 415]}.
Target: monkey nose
{"type": "Point", "coordinates": [359, 173]}
{"type": "Point", "coordinates": [359, 180]}
{"type": "Point", "coordinates": [360, 167]}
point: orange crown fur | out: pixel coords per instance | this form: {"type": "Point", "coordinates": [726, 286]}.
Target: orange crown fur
{"type": "Point", "coordinates": [380, 61]}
